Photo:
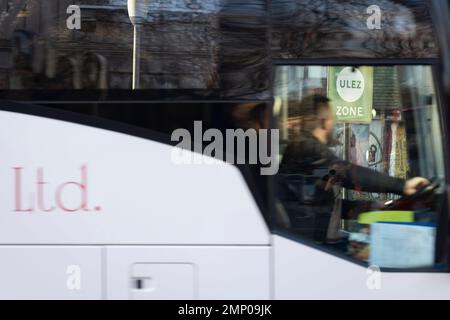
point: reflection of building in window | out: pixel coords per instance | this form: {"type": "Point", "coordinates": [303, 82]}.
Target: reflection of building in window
{"type": "Point", "coordinates": [22, 75]}
{"type": "Point", "coordinates": [179, 44]}
{"type": "Point", "coordinates": [94, 71]}
{"type": "Point", "coordinates": [65, 72]}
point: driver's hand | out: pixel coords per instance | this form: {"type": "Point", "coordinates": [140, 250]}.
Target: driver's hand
{"type": "Point", "coordinates": [414, 184]}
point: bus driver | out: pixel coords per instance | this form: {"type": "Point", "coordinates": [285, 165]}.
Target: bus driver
{"type": "Point", "coordinates": [311, 175]}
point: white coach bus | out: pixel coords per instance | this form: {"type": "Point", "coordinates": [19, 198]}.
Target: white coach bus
{"type": "Point", "coordinates": [92, 205]}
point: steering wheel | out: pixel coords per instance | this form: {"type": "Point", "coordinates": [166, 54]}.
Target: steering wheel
{"type": "Point", "coordinates": [408, 201]}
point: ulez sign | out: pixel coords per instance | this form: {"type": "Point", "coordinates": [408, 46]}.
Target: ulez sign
{"type": "Point", "coordinates": [351, 92]}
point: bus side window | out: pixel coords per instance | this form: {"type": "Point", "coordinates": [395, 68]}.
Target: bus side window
{"type": "Point", "coordinates": [361, 166]}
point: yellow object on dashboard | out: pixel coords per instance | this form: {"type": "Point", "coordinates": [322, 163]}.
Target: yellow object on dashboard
{"type": "Point", "coordinates": [386, 216]}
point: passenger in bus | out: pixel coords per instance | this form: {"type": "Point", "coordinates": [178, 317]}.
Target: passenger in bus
{"type": "Point", "coordinates": [311, 175]}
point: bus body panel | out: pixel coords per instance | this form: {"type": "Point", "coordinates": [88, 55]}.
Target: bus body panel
{"type": "Point", "coordinates": [51, 272]}
{"type": "Point", "coordinates": [302, 272]}
{"type": "Point", "coordinates": [65, 183]}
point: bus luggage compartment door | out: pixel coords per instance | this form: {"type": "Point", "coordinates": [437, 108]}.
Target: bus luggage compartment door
{"type": "Point", "coordinates": [188, 272]}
